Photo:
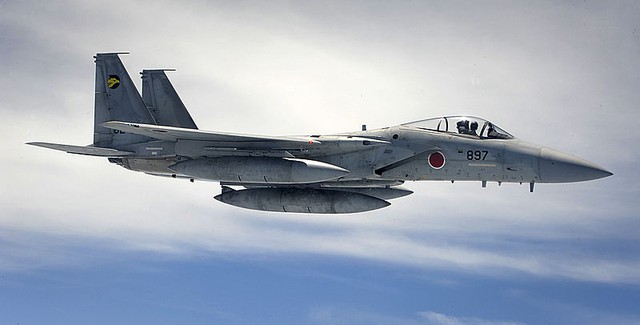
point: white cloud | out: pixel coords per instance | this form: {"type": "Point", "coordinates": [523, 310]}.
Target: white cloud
{"type": "Point", "coordinates": [116, 209]}
{"type": "Point", "coordinates": [332, 315]}
{"type": "Point", "coordinates": [433, 318]}
{"type": "Point", "coordinates": [327, 69]}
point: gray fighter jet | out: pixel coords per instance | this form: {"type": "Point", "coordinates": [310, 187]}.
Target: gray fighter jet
{"type": "Point", "coordinates": [339, 173]}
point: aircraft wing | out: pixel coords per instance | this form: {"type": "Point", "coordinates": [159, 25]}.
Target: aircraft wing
{"type": "Point", "coordinates": [222, 139]}
{"type": "Point", "coordinates": [169, 133]}
{"type": "Point", "coordinates": [83, 150]}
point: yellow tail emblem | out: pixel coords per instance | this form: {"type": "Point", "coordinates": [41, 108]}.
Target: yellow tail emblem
{"type": "Point", "coordinates": [113, 81]}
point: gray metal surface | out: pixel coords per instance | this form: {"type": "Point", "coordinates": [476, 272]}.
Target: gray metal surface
{"type": "Point", "coordinates": [301, 200]}
{"type": "Point", "coordinates": [163, 101]}
{"type": "Point", "coordinates": [337, 173]}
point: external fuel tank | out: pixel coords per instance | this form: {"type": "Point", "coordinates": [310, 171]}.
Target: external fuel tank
{"type": "Point", "coordinates": [302, 200]}
{"type": "Point", "coordinates": [260, 170]}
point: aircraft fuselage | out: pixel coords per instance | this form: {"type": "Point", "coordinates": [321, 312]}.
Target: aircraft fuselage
{"type": "Point", "coordinates": [409, 156]}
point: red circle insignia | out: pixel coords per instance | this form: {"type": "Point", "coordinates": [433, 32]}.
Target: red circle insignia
{"type": "Point", "coordinates": [436, 160]}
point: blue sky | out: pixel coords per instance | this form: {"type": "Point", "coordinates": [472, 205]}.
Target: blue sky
{"type": "Point", "coordinates": [83, 241]}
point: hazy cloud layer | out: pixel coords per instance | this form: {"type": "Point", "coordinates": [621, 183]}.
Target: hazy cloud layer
{"type": "Point", "coordinates": [563, 75]}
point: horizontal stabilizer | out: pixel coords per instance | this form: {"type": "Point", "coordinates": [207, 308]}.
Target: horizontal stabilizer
{"type": "Point", "coordinates": [83, 150]}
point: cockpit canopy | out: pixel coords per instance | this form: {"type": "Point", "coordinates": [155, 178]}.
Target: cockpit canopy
{"type": "Point", "coordinates": [466, 125]}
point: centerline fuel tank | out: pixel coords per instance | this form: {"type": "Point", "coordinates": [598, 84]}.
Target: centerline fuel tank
{"type": "Point", "coordinates": [300, 200]}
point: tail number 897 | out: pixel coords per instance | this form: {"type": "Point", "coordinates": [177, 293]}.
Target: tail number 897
{"type": "Point", "coordinates": [477, 154]}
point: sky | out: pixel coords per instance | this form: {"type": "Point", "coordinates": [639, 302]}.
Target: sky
{"type": "Point", "coordinates": [84, 241]}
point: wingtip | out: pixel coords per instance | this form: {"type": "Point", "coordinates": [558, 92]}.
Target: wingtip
{"type": "Point", "coordinates": [38, 144]}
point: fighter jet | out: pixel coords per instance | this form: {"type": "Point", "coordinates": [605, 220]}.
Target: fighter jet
{"type": "Point", "coordinates": [337, 173]}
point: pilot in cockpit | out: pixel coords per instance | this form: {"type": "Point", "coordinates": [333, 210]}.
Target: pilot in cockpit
{"type": "Point", "coordinates": [463, 127]}
{"type": "Point", "coordinates": [473, 128]}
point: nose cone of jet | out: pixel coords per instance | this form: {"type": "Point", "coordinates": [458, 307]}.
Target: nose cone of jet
{"type": "Point", "coordinates": [559, 167]}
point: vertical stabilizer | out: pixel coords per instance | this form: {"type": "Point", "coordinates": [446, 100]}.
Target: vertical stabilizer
{"type": "Point", "coordinates": [116, 99]}
{"type": "Point", "coordinates": [163, 101]}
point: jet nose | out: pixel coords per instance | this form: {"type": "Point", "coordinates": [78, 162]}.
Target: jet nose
{"type": "Point", "coordinates": [559, 167]}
